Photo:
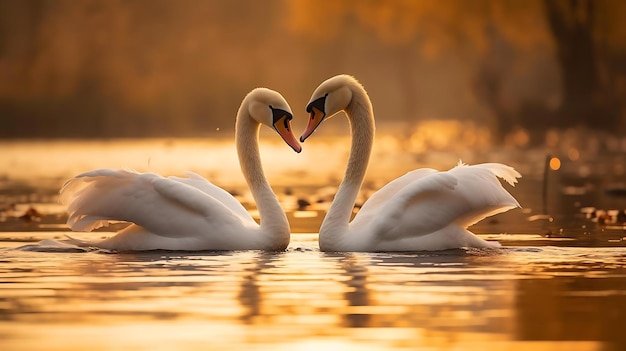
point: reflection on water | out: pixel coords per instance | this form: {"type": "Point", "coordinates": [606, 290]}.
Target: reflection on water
{"type": "Point", "coordinates": [515, 298]}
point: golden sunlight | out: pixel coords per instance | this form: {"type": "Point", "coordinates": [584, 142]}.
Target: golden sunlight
{"type": "Point", "coordinates": [434, 134]}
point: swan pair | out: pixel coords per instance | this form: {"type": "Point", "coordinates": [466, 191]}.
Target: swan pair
{"type": "Point", "coordinates": [421, 210]}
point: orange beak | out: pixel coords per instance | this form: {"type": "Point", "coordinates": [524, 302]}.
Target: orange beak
{"type": "Point", "coordinates": [316, 117]}
{"type": "Point", "coordinates": [283, 127]}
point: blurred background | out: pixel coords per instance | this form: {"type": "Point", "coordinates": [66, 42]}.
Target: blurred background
{"type": "Point", "coordinates": [505, 70]}
{"type": "Point", "coordinates": [154, 85]}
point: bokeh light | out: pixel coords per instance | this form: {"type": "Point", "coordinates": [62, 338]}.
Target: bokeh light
{"type": "Point", "coordinates": [555, 163]}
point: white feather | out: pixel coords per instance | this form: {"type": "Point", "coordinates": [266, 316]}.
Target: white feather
{"type": "Point", "coordinates": [183, 213]}
{"type": "Point", "coordinates": [422, 210]}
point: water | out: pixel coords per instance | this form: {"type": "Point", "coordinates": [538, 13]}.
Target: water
{"type": "Point", "coordinates": [557, 284]}
{"type": "Point", "coordinates": [519, 297]}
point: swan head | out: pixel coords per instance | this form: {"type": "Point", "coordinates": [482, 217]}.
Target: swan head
{"type": "Point", "coordinates": [330, 97]}
{"type": "Point", "coordinates": [268, 107]}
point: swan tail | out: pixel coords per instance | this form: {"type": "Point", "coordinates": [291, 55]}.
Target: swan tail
{"type": "Point", "coordinates": [160, 205]}
{"type": "Point", "coordinates": [90, 197]}
{"type": "Point", "coordinates": [507, 173]}
{"type": "Point", "coordinates": [482, 193]}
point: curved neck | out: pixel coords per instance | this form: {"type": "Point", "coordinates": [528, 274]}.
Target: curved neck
{"type": "Point", "coordinates": [273, 218]}
{"type": "Point", "coordinates": [361, 117]}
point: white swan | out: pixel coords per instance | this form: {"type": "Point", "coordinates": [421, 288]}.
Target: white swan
{"type": "Point", "coordinates": [188, 213]}
{"type": "Point", "coordinates": [422, 210]}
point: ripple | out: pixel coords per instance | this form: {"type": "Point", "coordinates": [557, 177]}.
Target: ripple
{"type": "Point", "coordinates": [303, 298]}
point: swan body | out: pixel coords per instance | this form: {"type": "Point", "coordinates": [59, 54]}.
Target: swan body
{"type": "Point", "coordinates": [423, 210]}
{"type": "Point", "coordinates": [188, 213]}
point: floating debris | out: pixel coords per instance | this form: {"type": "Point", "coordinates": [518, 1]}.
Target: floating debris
{"type": "Point", "coordinates": [31, 215]}
{"type": "Point", "coordinates": [604, 217]}
{"type": "Point", "coordinates": [539, 217]}
{"type": "Point", "coordinates": [303, 204]}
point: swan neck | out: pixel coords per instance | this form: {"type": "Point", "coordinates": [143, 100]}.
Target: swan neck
{"type": "Point", "coordinates": [361, 117]}
{"type": "Point", "coordinates": [273, 218]}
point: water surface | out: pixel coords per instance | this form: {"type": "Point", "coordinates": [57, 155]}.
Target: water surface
{"type": "Point", "coordinates": [517, 297]}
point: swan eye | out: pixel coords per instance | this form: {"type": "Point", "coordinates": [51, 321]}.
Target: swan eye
{"type": "Point", "coordinates": [277, 114]}
{"type": "Point", "coordinates": [319, 104]}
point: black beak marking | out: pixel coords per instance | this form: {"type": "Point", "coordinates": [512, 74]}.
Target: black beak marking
{"type": "Point", "coordinates": [318, 104]}
{"type": "Point", "coordinates": [277, 114]}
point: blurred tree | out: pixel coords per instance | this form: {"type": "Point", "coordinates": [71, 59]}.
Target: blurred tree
{"type": "Point", "coordinates": [584, 50]}
{"type": "Point", "coordinates": [132, 68]}
{"type": "Point", "coordinates": [502, 40]}
{"type": "Point", "coordinates": [418, 33]}
{"type": "Point", "coordinates": [166, 67]}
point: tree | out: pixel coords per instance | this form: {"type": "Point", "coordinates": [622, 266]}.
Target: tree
{"type": "Point", "coordinates": [584, 38]}
{"type": "Point", "coordinates": [587, 100]}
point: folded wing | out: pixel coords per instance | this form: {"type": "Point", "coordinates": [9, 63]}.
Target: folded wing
{"type": "Point", "coordinates": [435, 200]}
{"type": "Point", "coordinates": [163, 206]}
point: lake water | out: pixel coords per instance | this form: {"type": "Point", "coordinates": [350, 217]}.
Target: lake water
{"type": "Point", "coordinates": [559, 282]}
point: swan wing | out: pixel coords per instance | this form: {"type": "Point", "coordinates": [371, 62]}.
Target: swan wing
{"type": "Point", "coordinates": [380, 197]}
{"type": "Point", "coordinates": [221, 195]}
{"type": "Point", "coordinates": [163, 206]}
{"type": "Point", "coordinates": [461, 197]}
{"type": "Point", "coordinates": [409, 201]}
{"type": "Point", "coordinates": [372, 207]}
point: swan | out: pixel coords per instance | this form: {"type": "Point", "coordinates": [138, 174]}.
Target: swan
{"type": "Point", "coordinates": [423, 210]}
{"type": "Point", "coordinates": [188, 213]}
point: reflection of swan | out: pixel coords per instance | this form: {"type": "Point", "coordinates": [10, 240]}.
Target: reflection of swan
{"type": "Point", "coordinates": [422, 210]}
{"type": "Point", "coordinates": [251, 296]}
{"type": "Point", "coordinates": [357, 293]}
{"type": "Point", "coordinates": [188, 213]}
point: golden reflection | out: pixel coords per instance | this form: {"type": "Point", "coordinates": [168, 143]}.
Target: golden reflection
{"type": "Point", "coordinates": [301, 299]}
{"type": "Point", "coordinates": [359, 311]}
